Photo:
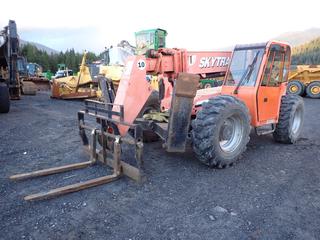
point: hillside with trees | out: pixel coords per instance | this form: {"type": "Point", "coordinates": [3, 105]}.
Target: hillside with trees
{"type": "Point", "coordinates": [297, 38]}
{"type": "Point", "coordinates": [308, 53]}
{"type": "Point", "coordinates": [71, 58]}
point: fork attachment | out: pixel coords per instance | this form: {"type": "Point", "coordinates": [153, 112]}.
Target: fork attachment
{"type": "Point", "coordinates": [109, 152]}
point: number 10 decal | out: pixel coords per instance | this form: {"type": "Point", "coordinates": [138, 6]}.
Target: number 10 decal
{"type": "Point", "coordinates": [141, 64]}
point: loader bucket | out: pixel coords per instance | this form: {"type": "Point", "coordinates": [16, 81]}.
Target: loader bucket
{"type": "Point", "coordinates": [133, 91]}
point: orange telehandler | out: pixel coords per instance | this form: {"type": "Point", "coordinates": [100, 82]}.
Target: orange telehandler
{"type": "Point", "coordinates": [217, 122]}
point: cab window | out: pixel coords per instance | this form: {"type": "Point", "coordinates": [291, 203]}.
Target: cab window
{"type": "Point", "coordinates": [276, 68]}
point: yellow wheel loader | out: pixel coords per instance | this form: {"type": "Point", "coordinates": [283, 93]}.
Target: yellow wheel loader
{"type": "Point", "coordinates": [114, 59]}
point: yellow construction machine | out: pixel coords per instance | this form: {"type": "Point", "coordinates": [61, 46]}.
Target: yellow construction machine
{"type": "Point", "coordinates": [75, 87]}
{"type": "Point", "coordinates": [304, 80]}
{"type": "Point", "coordinates": [115, 57]}
{"type": "Point", "coordinates": [113, 62]}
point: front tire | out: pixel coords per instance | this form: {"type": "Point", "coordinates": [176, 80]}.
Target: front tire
{"type": "Point", "coordinates": [290, 121]}
{"type": "Point", "coordinates": [220, 132]}
{"type": "Point", "coordinates": [4, 98]}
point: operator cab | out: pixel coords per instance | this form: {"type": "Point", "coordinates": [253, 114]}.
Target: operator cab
{"type": "Point", "coordinates": [22, 66]}
{"type": "Point", "coordinates": [258, 74]}
{"type": "Point", "coordinates": [116, 56]}
{"type": "Point", "coordinates": [150, 39]}
{"type": "Point", "coordinates": [247, 62]}
{"type": "Point", "coordinates": [34, 69]}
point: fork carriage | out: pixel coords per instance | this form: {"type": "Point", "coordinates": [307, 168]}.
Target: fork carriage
{"type": "Point", "coordinates": [109, 153]}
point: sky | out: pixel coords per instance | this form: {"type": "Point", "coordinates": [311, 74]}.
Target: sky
{"type": "Point", "coordinates": [194, 25]}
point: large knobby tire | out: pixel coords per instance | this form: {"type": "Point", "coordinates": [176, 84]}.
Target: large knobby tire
{"type": "Point", "coordinates": [290, 121]}
{"type": "Point", "coordinates": [152, 104]}
{"type": "Point", "coordinates": [313, 89]}
{"type": "Point", "coordinates": [4, 98]}
{"type": "Point", "coordinates": [220, 132]}
{"type": "Point", "coordinates": [295, 87]}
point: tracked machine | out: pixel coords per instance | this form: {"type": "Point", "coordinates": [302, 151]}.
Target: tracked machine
{"type": "Point", "coordinates": [217, 121]}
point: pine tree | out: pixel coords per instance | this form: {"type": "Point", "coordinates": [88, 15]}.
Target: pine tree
{"type": "Point", "coordinates": [308, 53]}
{"type": "Point", "coordinates": [48, 62]}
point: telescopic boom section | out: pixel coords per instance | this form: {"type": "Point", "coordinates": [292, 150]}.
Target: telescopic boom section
{"type": "Point", "coordinates": [134, 88]}
{"type": "Point", "coordinates": [133, 91]}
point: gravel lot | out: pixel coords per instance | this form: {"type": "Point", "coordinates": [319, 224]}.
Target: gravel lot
{"type": "Point", "coordinates": [272, 193]}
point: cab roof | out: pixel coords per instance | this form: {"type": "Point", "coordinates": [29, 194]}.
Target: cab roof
{"type": "Point", "coordinates": [259, 45]}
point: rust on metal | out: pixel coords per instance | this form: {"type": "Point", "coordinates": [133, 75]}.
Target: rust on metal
{"type": "Point", "coordinates": [72, 188]}
{"type": "Point", "coordinates": [181, 106]}
{"type": "Point", "coordinates": [187, 85]}
{"type": "Point", "coordinates": [50, 171]}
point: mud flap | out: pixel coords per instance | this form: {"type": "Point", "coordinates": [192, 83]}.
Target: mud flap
{"type": "Point", "coordinates": [185, 90]}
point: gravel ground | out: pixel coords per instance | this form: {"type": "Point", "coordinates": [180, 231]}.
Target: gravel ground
{"type": "Point", "coordinates": [272, 193]}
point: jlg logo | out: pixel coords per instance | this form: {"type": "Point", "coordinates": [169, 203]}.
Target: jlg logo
{"type": "Point", "coordinates": [207, 62]}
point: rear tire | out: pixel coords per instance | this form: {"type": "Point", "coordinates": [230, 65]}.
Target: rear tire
{"type": "Point", "coordinates": [220, 132]}
{"type": "Point", "coordinates": [295, 87]}
{"type": "Point", "coordinates": [4, 98]}
{"type": "Point", "coordinates": [313, 90]}
{"type": "Point", "coordinates": [290, 121]}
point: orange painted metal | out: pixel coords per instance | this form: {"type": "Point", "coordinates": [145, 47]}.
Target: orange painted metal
{"type": "Point", "coordinates": [268, 104]}
{"type": "Point", "coordinates": [134, 88]}
{"type": "Point", "coordinates": [263, 102]}
{"type": "Point", "coordinates": [133, 91]}
{"type": "Point", "coordinates": [179, 60]}
{"type": "Point", "coordinates": [248, 96]}
{"type": "Point", "coordinates": [208, 62]}
{"type": "Point", "coordinates": [170, 62]}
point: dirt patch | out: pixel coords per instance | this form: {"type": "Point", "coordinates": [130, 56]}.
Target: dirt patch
{"type": "Point", "coordinates": [272, 193]}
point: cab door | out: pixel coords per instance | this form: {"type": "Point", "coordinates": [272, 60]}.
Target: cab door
{"type": "Point", "coordinates": [269, 91]}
